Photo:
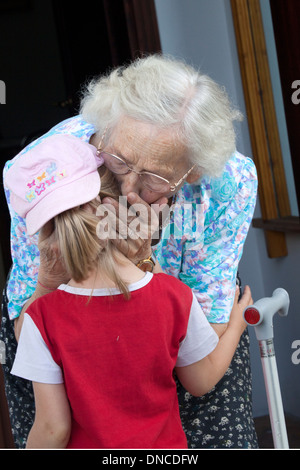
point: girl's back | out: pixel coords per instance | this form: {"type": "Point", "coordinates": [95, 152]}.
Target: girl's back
{"type": "Point", "coordinates": [117, 358]}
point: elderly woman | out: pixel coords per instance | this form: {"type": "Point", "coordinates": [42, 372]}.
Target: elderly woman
{"type": "Point", "coordinates": [166, 132]}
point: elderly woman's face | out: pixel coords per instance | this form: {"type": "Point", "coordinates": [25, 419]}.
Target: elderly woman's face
{"type": "Point", "coordinates": [146, 148]}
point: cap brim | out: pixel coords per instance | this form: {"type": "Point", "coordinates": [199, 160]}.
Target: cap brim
{"type": "Point", "coordinates": [68, 196]}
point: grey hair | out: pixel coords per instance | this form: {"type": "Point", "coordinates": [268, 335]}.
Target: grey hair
{"type": "Point", "coordinates": [169, 94]}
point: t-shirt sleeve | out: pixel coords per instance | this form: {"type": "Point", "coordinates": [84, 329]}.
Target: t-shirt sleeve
{"type": "Point", "coordinates": [200, 340]}
{"type": "Point", "coordinates": [33, 359]}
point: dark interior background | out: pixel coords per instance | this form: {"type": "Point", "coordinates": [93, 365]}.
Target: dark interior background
{"type": "Point", "coordinates": [48, 50]}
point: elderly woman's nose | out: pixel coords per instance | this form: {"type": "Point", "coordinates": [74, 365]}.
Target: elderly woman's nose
{"type": "Point", "coordinates": [131, 183]}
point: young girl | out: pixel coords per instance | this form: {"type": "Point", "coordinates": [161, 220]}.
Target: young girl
{"type": "Point", "coordinates": [102, 349]}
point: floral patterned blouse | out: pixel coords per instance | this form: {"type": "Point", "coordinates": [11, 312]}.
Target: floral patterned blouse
{"type": "Point", "coordinates": [202, 244]}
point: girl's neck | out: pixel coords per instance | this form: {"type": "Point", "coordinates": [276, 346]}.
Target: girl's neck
{"type": "Point", "coordinates": [99, 280]}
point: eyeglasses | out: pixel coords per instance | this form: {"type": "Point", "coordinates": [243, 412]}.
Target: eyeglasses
{"type": "Point", "coordinates": [149, 180]}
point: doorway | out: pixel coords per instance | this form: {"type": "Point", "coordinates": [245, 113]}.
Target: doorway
{"type": "Point", "coordinates": [48, 51]}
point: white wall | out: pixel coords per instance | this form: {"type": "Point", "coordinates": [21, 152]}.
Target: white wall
{"type": "Point", "coordinates": [202, 33]}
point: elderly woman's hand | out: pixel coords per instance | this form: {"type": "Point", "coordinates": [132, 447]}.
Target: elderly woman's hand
{"type": "Point", "coordinates": [136, 226]}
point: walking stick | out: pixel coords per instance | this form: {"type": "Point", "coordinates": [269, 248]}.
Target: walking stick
{"type": "Point", "coordinates": [260, 316]}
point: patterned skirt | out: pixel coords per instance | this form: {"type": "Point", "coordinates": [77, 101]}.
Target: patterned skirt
{"type": "Point", "coordinates": [19, 392]}
{"type": "Point", "coordinates": [222, 419]}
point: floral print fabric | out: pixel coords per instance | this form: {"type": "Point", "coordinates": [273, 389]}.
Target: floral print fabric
{"type": "Point", "coordinates": [202, 245]}
{"type": "Point", "coordinates": [19, 392]}
{"type": "Point", "coordinates": [204, 241]}
{"type": "Point", "coordinates": [24, 249]}
{"type": "Point", "coordinates": [222, 419]}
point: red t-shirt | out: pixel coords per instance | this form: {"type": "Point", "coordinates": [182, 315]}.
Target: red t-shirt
{"type": "Point", "coordinates": [117, 358]}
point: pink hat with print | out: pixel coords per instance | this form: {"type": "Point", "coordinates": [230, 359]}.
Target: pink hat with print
{"type": "Point", "coordinates": [57, 174]}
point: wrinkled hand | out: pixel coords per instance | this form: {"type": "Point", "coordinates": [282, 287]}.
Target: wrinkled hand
{"type": "Point", "coordinates": [136, 226]}
{"type": "Point", "coordinates": [52, 272]}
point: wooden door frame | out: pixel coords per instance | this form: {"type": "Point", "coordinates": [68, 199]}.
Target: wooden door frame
{"type": "Point", "coordinates": [273, 193]}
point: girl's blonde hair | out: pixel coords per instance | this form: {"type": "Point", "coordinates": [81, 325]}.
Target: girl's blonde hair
{"type": "Point", "coordinates": [80, 248]}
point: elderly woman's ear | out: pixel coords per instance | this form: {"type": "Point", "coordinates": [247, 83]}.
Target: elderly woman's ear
{"type": "Point", "coordinates": [194, 176]}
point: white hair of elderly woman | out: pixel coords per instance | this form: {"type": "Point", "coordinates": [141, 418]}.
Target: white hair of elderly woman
{"type": "Point", "coordinates": [170, 94]}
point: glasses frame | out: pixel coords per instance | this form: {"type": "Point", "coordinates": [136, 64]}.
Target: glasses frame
{"type": "Point", "coordinates": [172, 187]}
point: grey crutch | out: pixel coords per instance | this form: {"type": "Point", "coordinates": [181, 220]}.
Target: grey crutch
{"type": "Point", "coordinates": [260, 316]}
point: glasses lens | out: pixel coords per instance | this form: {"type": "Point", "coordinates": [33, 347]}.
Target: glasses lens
{"type": "Point", "coordinates": [155, 183]}
{"type": "Point", "coordinates": [152, 182]}
{"type": "Point", "coordinates": [115, 164]}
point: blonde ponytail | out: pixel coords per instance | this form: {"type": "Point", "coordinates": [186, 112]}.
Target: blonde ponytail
{"type": "Point", "coordinates": [80, 247]}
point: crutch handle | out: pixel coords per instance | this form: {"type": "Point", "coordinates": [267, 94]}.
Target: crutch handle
{"type": "Point", "coordinates": [260, 314]}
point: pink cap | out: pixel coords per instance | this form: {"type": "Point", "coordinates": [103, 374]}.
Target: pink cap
{"type": "Point", "coordinates": [58, 174]}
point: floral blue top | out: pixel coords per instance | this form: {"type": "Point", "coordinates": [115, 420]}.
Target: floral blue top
{"type": "Point", "coordinates": [202, 244]}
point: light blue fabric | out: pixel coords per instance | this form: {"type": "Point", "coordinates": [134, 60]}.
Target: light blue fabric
{"type": "Point", "coordinates": [202, 245]}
